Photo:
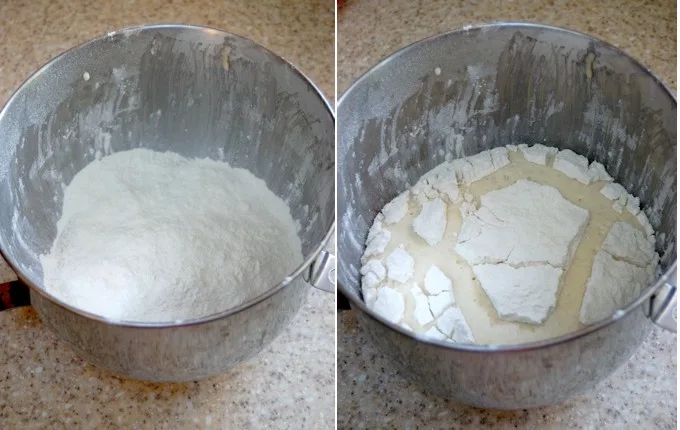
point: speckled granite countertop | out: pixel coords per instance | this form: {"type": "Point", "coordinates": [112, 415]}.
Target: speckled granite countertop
{"type": "Point", "coordinates": [371, 393]}
{"type": "Point", "coordinates": [288, 385]}
{"type": "Point", "coordinates": [369, 30]}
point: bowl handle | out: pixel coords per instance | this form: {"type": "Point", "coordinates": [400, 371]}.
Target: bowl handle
{"type": "Point", "coordinates": [322, 272]}
{"type": "Point", "coordinates": [663, 308]}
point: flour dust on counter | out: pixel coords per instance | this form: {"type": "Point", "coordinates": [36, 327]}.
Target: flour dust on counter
{"type": "Point", "coordinates": [156, 237]}
{"type": "Point", "coordinates": [515, 244]}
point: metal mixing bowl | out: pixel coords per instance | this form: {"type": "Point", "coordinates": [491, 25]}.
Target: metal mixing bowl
{"type": "Point", "coordinates": [195, 91]}
{"type": "Point", "coordinates": [464, 92]}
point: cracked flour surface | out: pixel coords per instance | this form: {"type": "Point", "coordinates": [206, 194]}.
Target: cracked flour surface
{"type": "Point", "coordinates": [507, 246]}
{"type": "Point", "coordinates": [519, 243]}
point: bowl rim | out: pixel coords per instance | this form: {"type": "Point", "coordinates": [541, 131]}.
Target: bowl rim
{"type": "Point", "coordinates": [298, 271]}
{"type": "Point", "coordinates": [618, 315]}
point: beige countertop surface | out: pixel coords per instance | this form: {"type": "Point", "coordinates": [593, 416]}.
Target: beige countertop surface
{"type": "Point", "coordinates": [290, 384]}
{"type": "Point", "coordinates": [371, 393]}
{"type": "Point", "coordinates": [369, 30]}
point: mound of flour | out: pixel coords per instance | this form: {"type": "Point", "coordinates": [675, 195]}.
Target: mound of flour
{"type": "Point", "coordinates": [150, 236]}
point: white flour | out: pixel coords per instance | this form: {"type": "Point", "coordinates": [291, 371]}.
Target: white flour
{"type": "Point", "coordinates": [150, 236]}
{"type": "Point", "coordinates": [513, 253]}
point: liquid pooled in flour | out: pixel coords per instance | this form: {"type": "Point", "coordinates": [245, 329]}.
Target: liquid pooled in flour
{"type": "Point", "coordinates": [479, 312]}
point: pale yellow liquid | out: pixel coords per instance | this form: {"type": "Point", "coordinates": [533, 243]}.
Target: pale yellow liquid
{"type": "Point", "coordinates": [477, 308]}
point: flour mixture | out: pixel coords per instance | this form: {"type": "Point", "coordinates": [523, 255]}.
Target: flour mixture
{"type": "Point", "coordinates": [511, 245]}
{"type": "Point", "coordinates": [150, 236]}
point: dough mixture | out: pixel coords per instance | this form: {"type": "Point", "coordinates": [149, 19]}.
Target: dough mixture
{"type": "Point", "coordinates": [511, 245]}
{"type": "Point", "coordinates": [156, 237]}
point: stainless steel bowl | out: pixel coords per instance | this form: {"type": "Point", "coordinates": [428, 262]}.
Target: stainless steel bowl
{"type": "Point", "coordinates": [195, 91]}
{"type": "Point", "coordinates": [495, 85]}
